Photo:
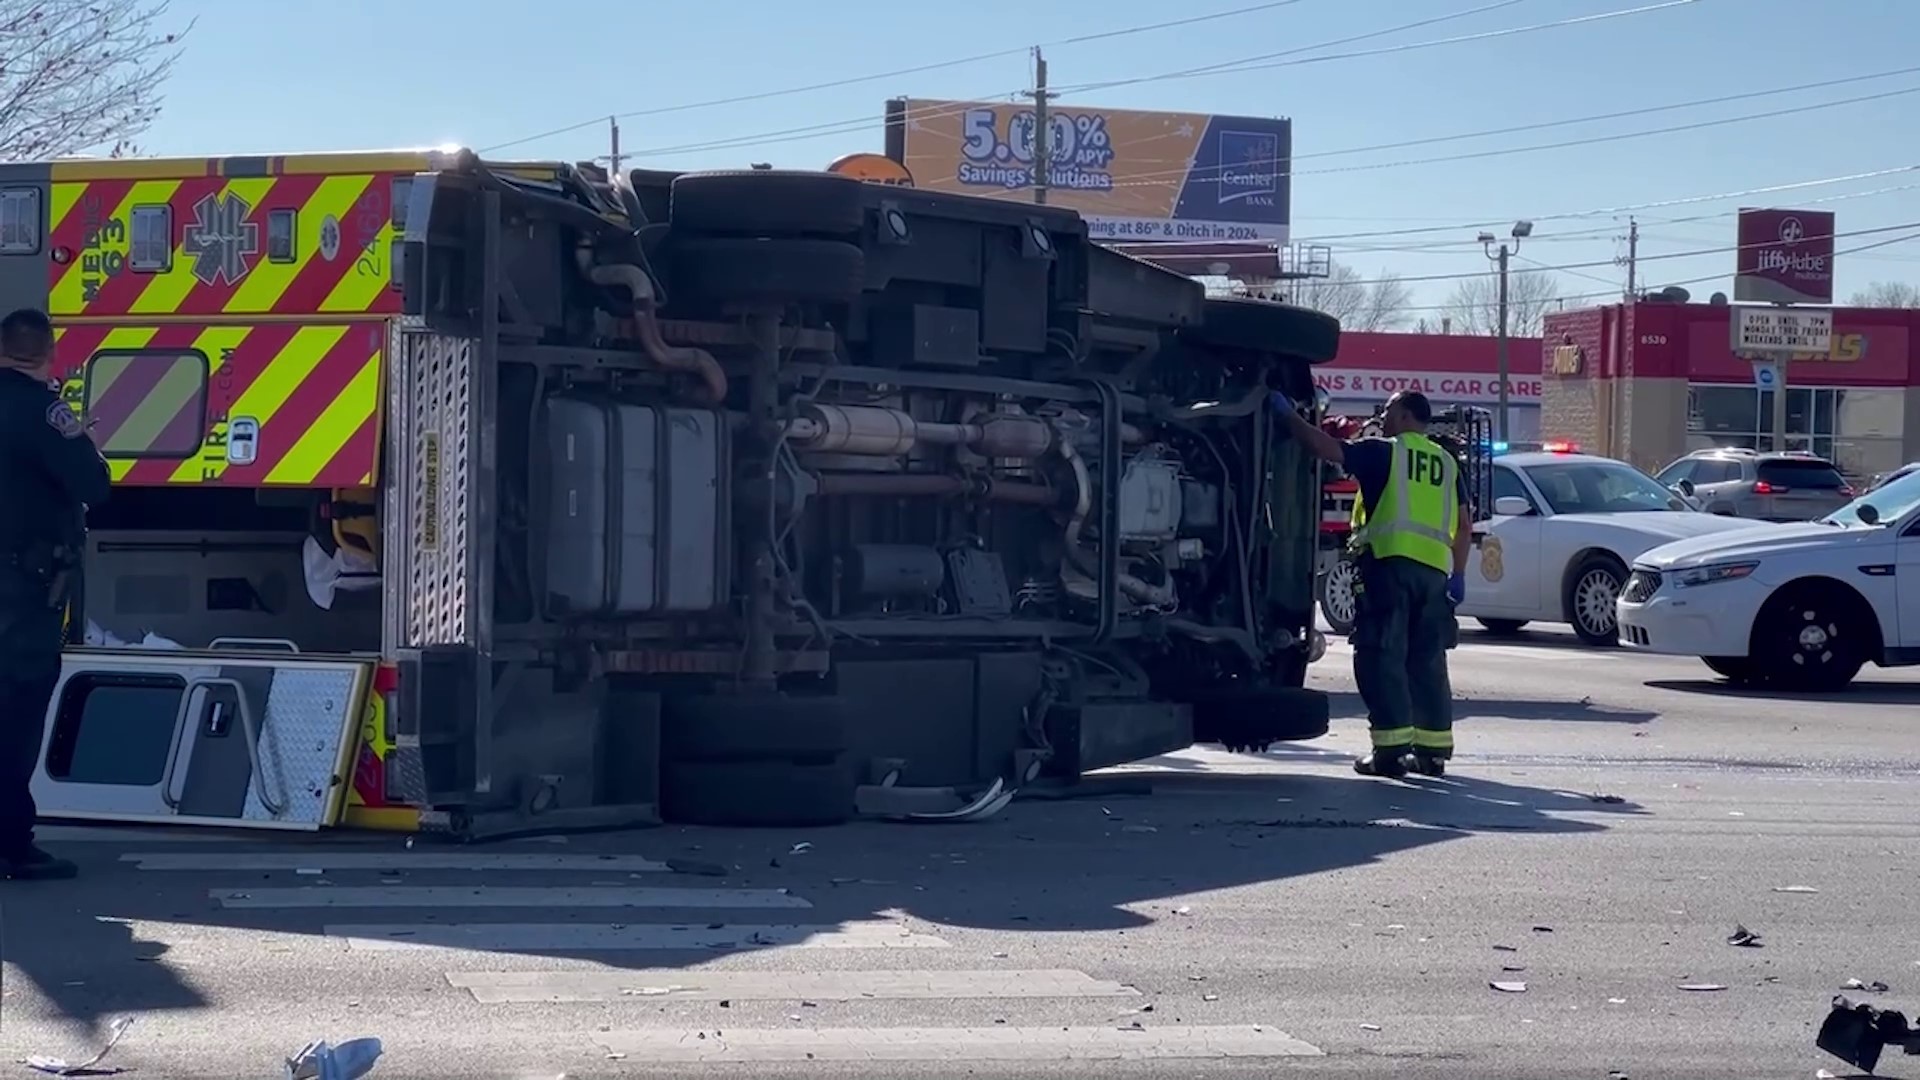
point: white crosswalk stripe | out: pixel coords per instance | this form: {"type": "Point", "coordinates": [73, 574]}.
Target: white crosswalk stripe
{"type": "Point", "coordinates": [593, 912]}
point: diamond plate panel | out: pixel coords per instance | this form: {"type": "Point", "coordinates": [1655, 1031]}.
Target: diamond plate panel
{"type": "Point", "coordinates": [306, 711]}
{"type": "Point", "coordinates": [406, 776]}
{"type": "Point", "coordinates": [432, 407]}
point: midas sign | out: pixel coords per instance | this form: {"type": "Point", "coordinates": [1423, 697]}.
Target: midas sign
{"type": "Point", "coordinates": [1846, 349]}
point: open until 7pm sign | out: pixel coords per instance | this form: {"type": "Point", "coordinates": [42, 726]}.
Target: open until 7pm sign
{"type": "Point", "coordinates": [1779, 331]}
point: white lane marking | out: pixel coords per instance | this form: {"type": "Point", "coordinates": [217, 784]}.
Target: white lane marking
{"type": "Point", "coordinates": [397, 860]}
{"type": "Point", "coordinates": [502, 896]}
{"type": "Point", "coordinates": [687, 984]}
{"type": "Point", "coordinates": [1024, 1045]}
{"type": "Point", "coordinates": [581, 937]}
{"type": "Point", "coordinates": [99, 834]}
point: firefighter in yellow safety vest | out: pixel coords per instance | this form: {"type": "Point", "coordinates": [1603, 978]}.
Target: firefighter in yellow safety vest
{"type": "Point", "coordinates": [1410, 542]}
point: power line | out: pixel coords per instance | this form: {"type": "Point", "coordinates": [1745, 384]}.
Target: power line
{"type": "Point", "coordinates": [1615, 293]}
{"type": "Point", "coordinates": [1605, 211]}
{"type": "Point", "coordinates": [834, 84]}
{"type": "Point", "coordinates": [838, 127]}
{"type": "Point", "coordinates": [1268, 61]}
{"type": "Point", "coordinates": [1198, 174]}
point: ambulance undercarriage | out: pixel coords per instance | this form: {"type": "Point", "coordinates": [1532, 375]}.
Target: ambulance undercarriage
{"type": "Point", "coordinates": [728, 496]}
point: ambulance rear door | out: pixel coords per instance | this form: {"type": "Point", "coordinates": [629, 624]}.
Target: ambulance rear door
{"type": "Point", "coordinates": [258, 737]}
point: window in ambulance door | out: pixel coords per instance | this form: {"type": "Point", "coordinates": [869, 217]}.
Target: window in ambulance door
{"type": "Point", "coordinates": [115, 729]}
{"type": "Point", "coordinates": [150, 247]}
{"type": "Point", "coordinates": [147, 403]}
{"type": "Point", "coordinates": [19, 221]}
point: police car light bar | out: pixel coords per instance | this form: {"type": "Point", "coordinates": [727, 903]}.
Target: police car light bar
{"type": "Point", "coordinates": [1559, 447]}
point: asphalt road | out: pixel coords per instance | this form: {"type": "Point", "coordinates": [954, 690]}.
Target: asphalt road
{"type": "Point", "coordinates": [1253, 917]}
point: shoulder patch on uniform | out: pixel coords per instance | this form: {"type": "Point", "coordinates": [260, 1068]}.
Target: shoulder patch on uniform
{"type": "Point", "coordinates": [62, 418]}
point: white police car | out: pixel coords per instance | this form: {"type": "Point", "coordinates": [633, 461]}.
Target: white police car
{"type": "Point", "coordinates": [1801, 606]}
{"type": "Point", "coordinates": [1565, 527]}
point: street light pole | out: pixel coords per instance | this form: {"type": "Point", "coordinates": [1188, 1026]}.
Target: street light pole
{"type": "Point", "coordinates": [1500, 253]}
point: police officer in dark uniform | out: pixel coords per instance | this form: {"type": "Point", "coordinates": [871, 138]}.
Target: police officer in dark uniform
{"type": "Point", "coordinates": [50, 472]}
{"type": "Point", "coordinates": [1414, 539]}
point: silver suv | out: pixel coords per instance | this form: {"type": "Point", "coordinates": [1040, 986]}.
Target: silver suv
{"type": "Point", "coordinates": [1794, 486]}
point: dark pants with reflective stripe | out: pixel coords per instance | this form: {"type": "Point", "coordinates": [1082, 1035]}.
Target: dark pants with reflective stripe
{"type": "Point", "coordinates": [1403, 626]}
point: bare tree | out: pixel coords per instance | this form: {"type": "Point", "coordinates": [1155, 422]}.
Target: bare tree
{"type": "Point", "coordinates": [1892, 294]}
{"type": "Point", "coordinates": [1358, 302]}
{"type": "Point", "coordinates": [79, 75]}
{"type": "Point", "coordinates": [1475, 303]}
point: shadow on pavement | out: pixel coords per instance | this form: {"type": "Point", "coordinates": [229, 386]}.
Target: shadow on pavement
{"type": "Point", "coordinates": [1859, 693]}
{"type": "Point", "coordinates": [1348, 703]}
{"type": "Point", "coordinates": [1047, 866]}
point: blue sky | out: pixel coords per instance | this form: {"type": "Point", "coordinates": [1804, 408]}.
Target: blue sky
{"type": "Point", "coordinates": [259, 77]}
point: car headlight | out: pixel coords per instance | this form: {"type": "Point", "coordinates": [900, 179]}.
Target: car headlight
{"type": "Point", "coordinates": [1707, 575]}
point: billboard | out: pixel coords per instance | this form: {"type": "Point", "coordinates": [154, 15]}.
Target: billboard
{"type": "Point", "coordinates": [1133, 175]}
{"type": "Point", "coordinates": [1786, 257]}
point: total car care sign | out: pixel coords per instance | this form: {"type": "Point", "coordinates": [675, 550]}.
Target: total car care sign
{"type": "Point", "coordinates": [1443, 387]}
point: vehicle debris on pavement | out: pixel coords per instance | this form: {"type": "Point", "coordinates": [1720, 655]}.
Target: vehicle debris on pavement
{"type": "Point", "coordinates": [321, 1060]}
{"type": "Point", "coordinates": [1857, 1033]}
{"type": "Point", "coordinates": [1743, 937]}
{"type": "Point", "coordinates": [1874, 987]}
{"type": "Point", "coordinates": [90, 1067]}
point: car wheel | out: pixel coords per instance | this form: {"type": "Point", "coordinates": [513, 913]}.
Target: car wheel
{"type": "Point", "coordinates": [1338, 593]}
{"type": "Point", "coordinates": [768, 202]}
{"type": "Point", "coordinates": [1265, 327]}
{"type": "Point", "coordinates": [1811, 640]}
{"type": "Point", "coordinates": [769, 271]}
{"type": "Point", "coordinates": [1592, 599]}
{"type": "Point", "coordinates": [1741, 670]}
{"type": "Point", "coordinates": [1503, 627]}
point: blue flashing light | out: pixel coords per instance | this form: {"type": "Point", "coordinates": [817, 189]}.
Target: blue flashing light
{"type": "Point", "coordinates": [1499, 448]}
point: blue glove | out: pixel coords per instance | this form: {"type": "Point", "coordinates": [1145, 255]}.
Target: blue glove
{"type": "Point", "coordinates": [1457, 588]}
{"type": "Point", "coordinates": [1282, 402]}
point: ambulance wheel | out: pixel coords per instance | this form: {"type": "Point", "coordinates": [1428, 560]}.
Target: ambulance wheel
{"type": "Point", "coordinates": [1248, 719]}
{"type": "Point", "coordinates": [768, 202]}
{"type": "Point", "coordinates": [768, 794]}
{"type": "Point", "coordinates": [779, 728]}
{"type": "Point", "coordinates": [769, 271]}
{"type": "Point", "coordinates": [1503, 627]}
{"type": "Point", "coordinates": [1265, 327]}
{"type": "Point", "coordinates": [1336, 595]}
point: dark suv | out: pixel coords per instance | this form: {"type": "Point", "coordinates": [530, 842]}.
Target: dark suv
{"type": "Point", "coordinates": [1794, 486]}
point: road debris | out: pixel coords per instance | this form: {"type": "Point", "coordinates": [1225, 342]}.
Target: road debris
{"type": "Point", "coordinates": [1805, 889]}
{"type": "Point", "coordinates": [1543, 929]}
{"type": "Point", "coordinates": [91, 1066]}
{"type": "Point", "coordinates": [1506, 948]}
{"type": "Point", "coordinates": [1701, 988]}
{"type": "Point", "coordinates": [801, 848]}
{"type": "Point", "coordinates": [1369, 1027]}
{"type": "Point", "coordinates": [1513, 969]}
{"type": "Point", "coordinates": [1610, 800]}
{"type": "Point", "coordinates": [1875, 987]}
{"type": "Point", "coordinates": [323, 1061]}
{"type": "Point", "coordinates": [1743, 937]}
{"type": "Point", "coordinates": [1509, 987]}
{"type": "Point", "coordinates": [1209, 997]}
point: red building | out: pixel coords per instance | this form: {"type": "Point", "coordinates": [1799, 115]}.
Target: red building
{"type": "Point", "coordinates": [1650, 381]}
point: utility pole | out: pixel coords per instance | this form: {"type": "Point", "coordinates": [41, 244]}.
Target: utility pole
{"type": "Point", "coordinates": [1502, 362]}
{"type": "Point", "coordinates": [613, 130]}
{"type": "Point", "coordinates": [1499, 251]}
{"type": "Point", "coordinates": [1042, 130]}
{"type": "Point", "coordinates": [1633, 258]}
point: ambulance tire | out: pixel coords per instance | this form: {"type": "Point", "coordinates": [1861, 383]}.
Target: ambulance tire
{"type": "Point", "coordinates": [1265, 327]}
{"type": "Point", "coordinates": [766, 794]}
{"type": "Point", "coordinates": [739, 270]}
{"type": "Point", "coordinates": [1249, 719]}
{"type": "Point", "coordinates": [723, 728]}
{"type": "Point", "coordinates": [768, 202]}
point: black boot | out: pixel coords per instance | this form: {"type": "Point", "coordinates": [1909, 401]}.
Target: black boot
{"type": "Point", "coordinates": [37, 865]}
{"type": "Point", "coordinates": [1391, 764]}
{"type": "Point", "coordinates": [1427, 764]}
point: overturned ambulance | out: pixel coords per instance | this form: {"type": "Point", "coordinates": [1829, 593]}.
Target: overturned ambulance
{"type": "Point", "coordinates": [486, 496]}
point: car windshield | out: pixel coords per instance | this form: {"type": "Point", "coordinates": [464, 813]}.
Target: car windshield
{"type": "Point", "coordinates": [1891, 502]}
{"type": "Point", "coordinates": [1600, 487]}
